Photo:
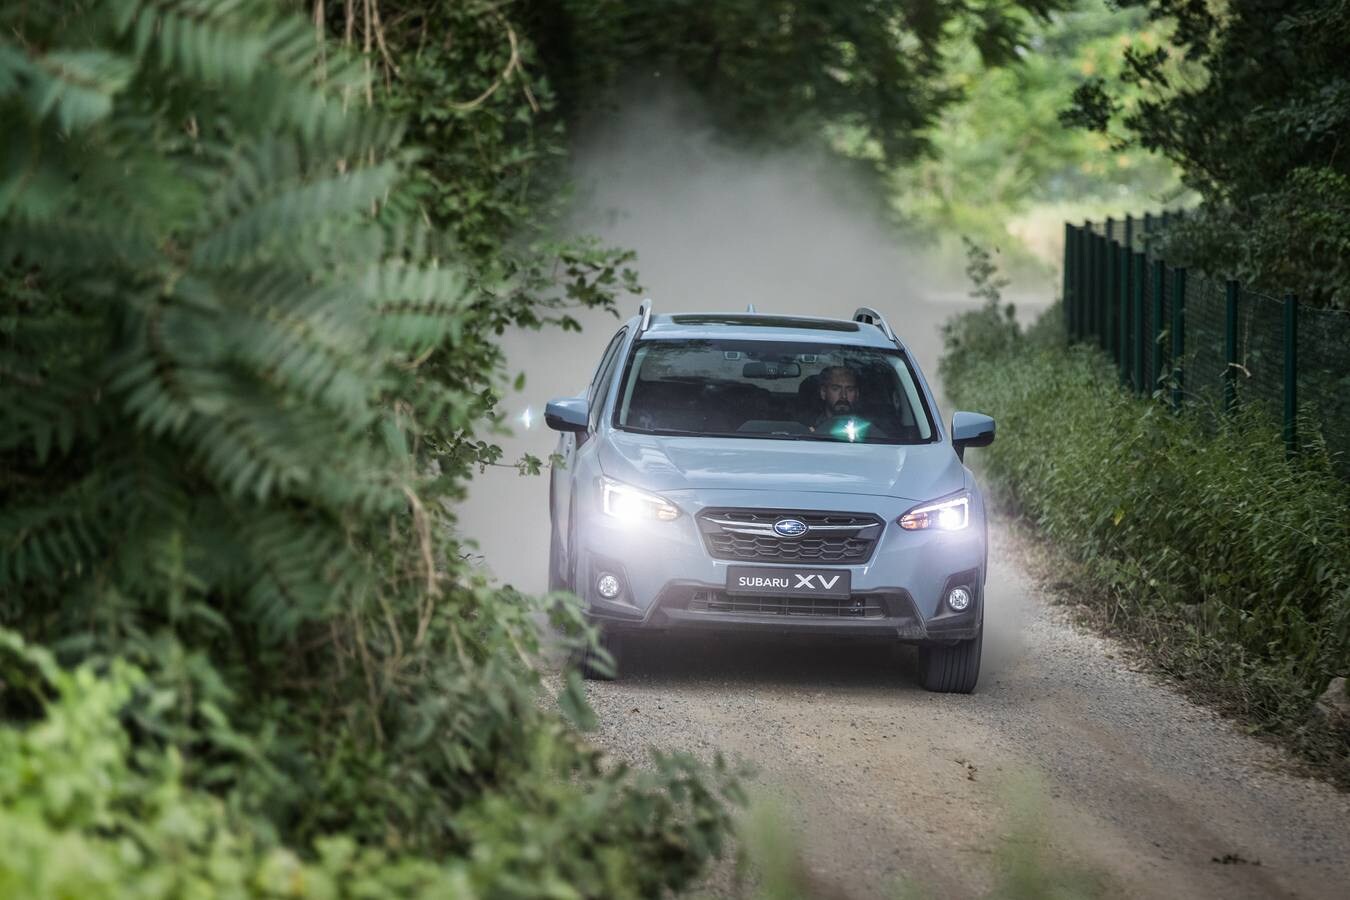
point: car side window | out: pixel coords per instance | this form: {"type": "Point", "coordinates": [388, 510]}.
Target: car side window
{"type": "Point", "coordinates": [594, 397]}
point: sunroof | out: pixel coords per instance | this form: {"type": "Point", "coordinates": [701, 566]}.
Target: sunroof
{"type": "Point", "coordinates": [766, 322]}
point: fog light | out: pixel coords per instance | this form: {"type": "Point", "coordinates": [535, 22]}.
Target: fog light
{"type": "Point", "coordinates": [608, 585]}
{"type": "Point", "coordinates": [958, 599]}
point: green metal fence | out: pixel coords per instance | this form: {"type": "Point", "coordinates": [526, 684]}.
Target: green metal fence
{"type": "Point", "coordinates": [1203, 344]}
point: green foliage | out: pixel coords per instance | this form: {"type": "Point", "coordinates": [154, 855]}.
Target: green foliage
{"type": "Point", "coordinates": [237, 406]}
{"type": "Point", "coordinates": [979, 334]}
{"type": "Point", "coordinates": [1294, 235]}
{"type": "Point", "coordinates": [463, 79]}
{"type": "Point", "coordinates": [1231, 560]}
{"type": "Point", "coordinates": [784, 69]}
{"type": "Point", "coordinates": [85, 814]}
{"type": "Point", "coordinates": [1252, 105]}
{"type": "Point", "coordinates": [1002, 161]}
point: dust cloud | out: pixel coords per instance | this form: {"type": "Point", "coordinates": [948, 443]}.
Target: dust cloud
{"type": "Point", "coordinates": [715, 228]}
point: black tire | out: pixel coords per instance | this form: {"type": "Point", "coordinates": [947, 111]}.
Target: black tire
{"type": "Point", "coordinates": [557, 581]}
{"type": "Point", "coordinates": [951, 668]}
{"type": "Point", "coordinates": [593, 669]}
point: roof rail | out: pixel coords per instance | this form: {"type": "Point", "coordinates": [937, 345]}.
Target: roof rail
{"type": "Point", "coordinates": [870, 316]}
{"type": "Point", "coordinates": [645, 310]}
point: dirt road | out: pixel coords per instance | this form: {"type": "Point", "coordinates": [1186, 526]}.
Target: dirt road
{"type": "Point", "coordinates": [1152, 795]}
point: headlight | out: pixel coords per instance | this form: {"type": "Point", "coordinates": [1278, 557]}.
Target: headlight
{"type": "Point", "coordinates": [630, 504]}
{"type": "Point", "coordinates": [947, 515]}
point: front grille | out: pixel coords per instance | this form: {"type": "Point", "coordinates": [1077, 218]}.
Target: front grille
{"type": "Point", "coordinates": [859, 607]}
{"type": "Point", "coordinates": [830, 538]}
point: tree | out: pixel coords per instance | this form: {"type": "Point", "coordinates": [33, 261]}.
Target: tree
{"type": "Point", "coordinates": [785, 68]}
{"type": "Point", "coordinates": [1253, 104]}
{"type": "Point", "coordinates": [1001, 153]}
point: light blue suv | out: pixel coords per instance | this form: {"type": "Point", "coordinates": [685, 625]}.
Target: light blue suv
{"type": "Point", "coordinates": [761, 473]}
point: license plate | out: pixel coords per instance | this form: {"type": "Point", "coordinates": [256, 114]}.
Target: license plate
{"type": "Point", "coordinates": [787, 582]}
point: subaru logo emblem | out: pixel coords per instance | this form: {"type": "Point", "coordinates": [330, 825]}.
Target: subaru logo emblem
{"type": "Point", "coordinates": [789, 527]}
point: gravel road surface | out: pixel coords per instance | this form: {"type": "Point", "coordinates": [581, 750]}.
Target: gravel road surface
{"type": "Point", "coordinates": [1133, 783]}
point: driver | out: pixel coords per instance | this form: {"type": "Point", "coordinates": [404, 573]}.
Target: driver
{"type": "Point", "coordinates": [839, 391]}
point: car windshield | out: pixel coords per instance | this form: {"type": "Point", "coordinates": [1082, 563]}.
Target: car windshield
{"type": "Point", "coordinates": [784, 390]}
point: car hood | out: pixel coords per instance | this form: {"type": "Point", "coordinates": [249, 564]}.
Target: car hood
{"type": "Point", "coordinates": [662, 463]}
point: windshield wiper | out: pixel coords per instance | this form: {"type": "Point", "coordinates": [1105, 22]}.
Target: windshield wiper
{"type": "Point", "coordinates": [668, 432]}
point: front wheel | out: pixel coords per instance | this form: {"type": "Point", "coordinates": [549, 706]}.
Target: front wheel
{"type": "Point", "coordinates": [557, 581]}
{"type": "Point", "coordinates": [951, 668]}
{"type": "Point", "coordinates": [593, 667]}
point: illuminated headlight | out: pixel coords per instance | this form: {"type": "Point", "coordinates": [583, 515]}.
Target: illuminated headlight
{"type": "Point", "coordinates": [632, 505]}
{"type": "Point", "coordinates": [948, 515]}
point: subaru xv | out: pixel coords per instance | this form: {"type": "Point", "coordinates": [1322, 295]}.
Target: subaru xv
{"type": "Point", "coordinates": [775, 474]}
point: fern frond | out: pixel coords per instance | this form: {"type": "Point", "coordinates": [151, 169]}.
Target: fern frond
{"type": "Point", "coordinates": [282, 209]}
{"type": "Point", "coordinates": [306, 338]}
{"type": "Point", "coordinates": [76, 86]}
{"type": "Point", "coordinates": [418, 306]}
{"type": "Point", "coordinates": [54, 539]}
{"type": "Point", "coordinates": [214, 40]}
{"type": "Point", "coordinates": [69, 243]}
{"type": "Point", "coordinates": [39, 413]}
{"type": "Point", "coordinates": [300, 570]}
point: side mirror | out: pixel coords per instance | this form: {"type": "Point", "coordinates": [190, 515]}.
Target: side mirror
{"type": "Point", "coordinates": [971, 430]}
{"type": "Point", "coordinates": [567, 414]}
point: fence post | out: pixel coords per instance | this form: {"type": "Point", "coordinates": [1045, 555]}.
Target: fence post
{"type": "Point", "coordinates": [1080, 288]}
{"type": "Point", "coordinates": [1066, 292]}
{"type": "Point", "coordinates": [1080, 281]}
{"type": "Point", "coordinates": [1178, 336]}
{"type": "Point", "coordinates": [1159, 351]}
{"type": "Point", "coordinates": [1086, 238]}
{"type": "Point", "coordinates": [1109, 290]}
{"type": "Point", "coordinates": [1140, 274]}
{"type": "Point", "coordinates": [1126, 294]}
{"type": "Point", "coordinates": [1127, 317]}
{"type": "Point", "coordinates": [1099, 288]}
{"type": "Point", "coordinates": [1123, 319]}
{"type": "Point", "coordinates": [1230, 346]}
{"type": "Point", "coordinates": [1290, 374]}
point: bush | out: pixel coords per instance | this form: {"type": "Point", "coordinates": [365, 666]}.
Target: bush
{"type": "Point", "coordinates": [228, 462]}
{"type": "Point", "coordinates": [979, 334]}
{"type": "Point", "coordinates": [1231, 558]}
{"type": "Point", "coordinates": [85, 814]}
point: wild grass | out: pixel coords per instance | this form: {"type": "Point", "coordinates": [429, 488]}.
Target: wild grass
{"type": "Point", "coordinates": [1228, 560]}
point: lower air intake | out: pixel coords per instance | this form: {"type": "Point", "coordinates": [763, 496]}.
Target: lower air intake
{"type": "Point", "coordinates": [715, 602]}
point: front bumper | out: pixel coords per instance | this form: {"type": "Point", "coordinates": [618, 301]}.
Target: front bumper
{"type": "Point", "coordinates": [671, 581]}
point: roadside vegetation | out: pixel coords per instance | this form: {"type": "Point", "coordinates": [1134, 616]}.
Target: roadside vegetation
{"type": "Point", "coordinates": [238, 651]}
{"type": "Point", "coordinates": [1251, 101]}
{"type": "Point", "coordinates": [1198, 535]}
{"type": "Point", "coordinates": [1227, 561]}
